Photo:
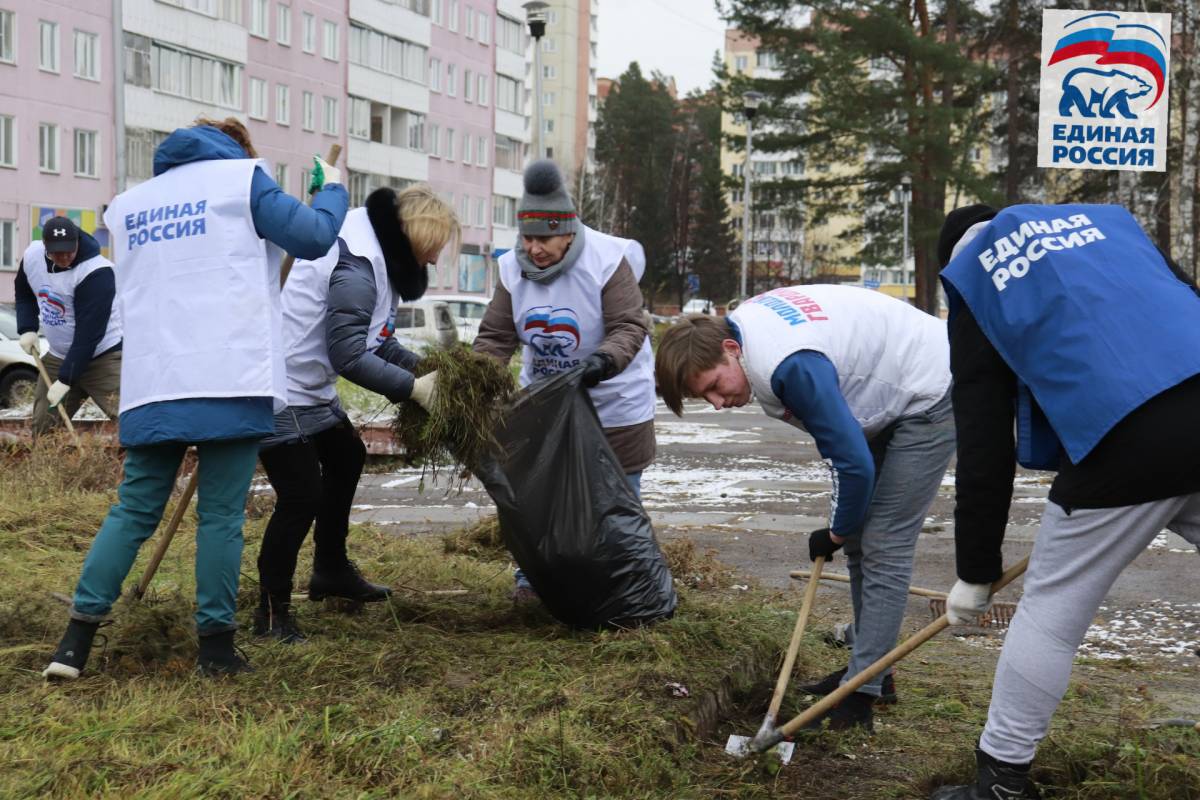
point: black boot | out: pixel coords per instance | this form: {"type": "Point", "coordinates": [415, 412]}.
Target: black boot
{"type": "Point", "coordinates": [994, 780]}
{"type": "Point", "coordinates": [72, 652]}
{"type": "Point", "coordinates": [273, 617]}
{"type": "Point", "coordinates": [834, 679]}
{"type": "Point", "coordinates": [345, 582]}
{"type": "Point", "coordinates": [218, 656]}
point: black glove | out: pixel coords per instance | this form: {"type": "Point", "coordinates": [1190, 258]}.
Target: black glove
{"type": "Point", "coordinates": [820, 544]}
{"type": "Point", "coordinates": [597, 367]}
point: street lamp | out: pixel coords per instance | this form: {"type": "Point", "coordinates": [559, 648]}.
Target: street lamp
{"type": "Point", "coordinates": [535, 18]}
{"type": "Point", "coordinates": [750, 101]}
{"type": "Point", "coordinates": [905, 197]}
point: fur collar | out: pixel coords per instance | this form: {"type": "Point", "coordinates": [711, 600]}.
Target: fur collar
{"type": "Point", "coordinates": [407, 277]}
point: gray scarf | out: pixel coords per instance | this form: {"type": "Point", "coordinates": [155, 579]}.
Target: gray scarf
{"type": "Point", "coordinates": [533, 272]}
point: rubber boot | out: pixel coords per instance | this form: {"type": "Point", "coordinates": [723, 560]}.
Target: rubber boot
{"type": "Point", "coordinates": [344, 581]}
{"type": "Point", "coordinates": [218, 657]}
{"type": "Point", "coordinates": [994, 780]}
{"type": "Point", "coordinates": [72, 653]}
{"type": "Point", "coordinates": [273, 617]}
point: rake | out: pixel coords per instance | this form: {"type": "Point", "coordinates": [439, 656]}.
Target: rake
{"type": "Point", "coordinates": [999, 616]}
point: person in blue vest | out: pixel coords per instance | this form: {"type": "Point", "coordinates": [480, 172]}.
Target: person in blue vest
{"type": "Point", "coordinates": [1057, 331]}
{"type": "Point", "coordinates": [198, 287]}
{"type": "Point", "coordinates": [67, 286]}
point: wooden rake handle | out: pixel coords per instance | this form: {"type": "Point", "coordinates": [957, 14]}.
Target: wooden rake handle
{"type": "Point", "coordinates": [818, 709]}
{"type": "Point", "coordinates": [830, 576]}
{"type": "Point", "coordinates": [62, 412]}
{"type": "Point", "coordinates": [335, 152]}
{"type": "Point", "coordinates": [789, 660]}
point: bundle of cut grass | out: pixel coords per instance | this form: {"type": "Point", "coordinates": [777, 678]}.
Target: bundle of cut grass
{"type": "Point", "coordinates": [481, 540]}
{"type": "Point", "coordinates": [471, 391]}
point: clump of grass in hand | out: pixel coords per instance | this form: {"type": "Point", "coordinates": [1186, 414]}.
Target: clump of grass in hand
{"type": "Point", "coordinates": [471, 391]}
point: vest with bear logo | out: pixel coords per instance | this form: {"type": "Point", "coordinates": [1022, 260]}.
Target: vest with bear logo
{"type": "Point", "coordinates": [56, 300]}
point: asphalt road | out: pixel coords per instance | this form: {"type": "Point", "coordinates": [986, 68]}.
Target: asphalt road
{"type": "Point", "coordinates": [751, 488]}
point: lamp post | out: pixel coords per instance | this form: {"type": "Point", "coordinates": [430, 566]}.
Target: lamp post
{"type": "Point", "coordinates": [905, 197]}
{"type": "Point", "coordinates": [750, 101]}
{"type": "Point", "coordinates": [535, 18]}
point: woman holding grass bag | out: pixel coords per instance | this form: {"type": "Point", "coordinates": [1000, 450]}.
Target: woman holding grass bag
{"type": "Point", "coordinates": [339, 312]}
{"type": "Point", "coordinates": [197, 253]}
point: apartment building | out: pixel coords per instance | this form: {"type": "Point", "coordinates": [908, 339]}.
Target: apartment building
{"type": "Point", "coordinates": [511, 126]}
{"type": "Point", "coordinates": [56, 136]}
{"type": "Point", "coordinates": [569, 85]}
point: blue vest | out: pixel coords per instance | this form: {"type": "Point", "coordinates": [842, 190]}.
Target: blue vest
{"type": "Point", "coordinates": [1086, 312]}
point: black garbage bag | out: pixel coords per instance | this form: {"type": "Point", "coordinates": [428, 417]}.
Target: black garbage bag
{"type": "Point", "coordinates": [569, 517]}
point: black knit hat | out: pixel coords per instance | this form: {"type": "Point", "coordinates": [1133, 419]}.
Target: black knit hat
{"type": "Point", "coordinates": [957, 222]}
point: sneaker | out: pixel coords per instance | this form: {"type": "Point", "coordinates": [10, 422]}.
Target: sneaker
{"type": "Point", "coordinates": [72, 653]}
{"type": "Point", "coordinates": [345, 582]}
{"type": "Point", "coordinates": [833, 680]}
{"type": "Point", "coordinates": [273, 619]}
{"type": "Point", "coordinates": [994, 780]}
{"type": "Point", "coordinates": [219, 657]}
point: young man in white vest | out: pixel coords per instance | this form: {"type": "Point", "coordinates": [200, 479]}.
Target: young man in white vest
{"type": "Point", "coordinates": [868, 377]}
{"type": "Point", "coordinates": [570, 295]}
{"type": "Point", "coordinates": [198, 285]}
{"type": "Point", "coordinates": [1106, 401]}
{"type": "Point", "coordinates": [66, 285]}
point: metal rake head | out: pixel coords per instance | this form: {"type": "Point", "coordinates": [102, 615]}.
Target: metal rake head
{"type": "Point", "coordinates": [999, 616]}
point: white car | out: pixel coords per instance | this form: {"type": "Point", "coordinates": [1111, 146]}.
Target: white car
{"type": "Point", "coordinates": [18, 373]}
{"type": "Point", "coordinates": [424, 322]}
{"type": "Point", "coordinates": [468, 311]}
{"type": "Point", "coordinates": [697, 306]}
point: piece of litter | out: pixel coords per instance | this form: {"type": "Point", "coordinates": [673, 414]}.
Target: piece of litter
{"type": "Point", "coordinates": [678, 690]}
{"type": "Point", "coordinates": [741, 587]}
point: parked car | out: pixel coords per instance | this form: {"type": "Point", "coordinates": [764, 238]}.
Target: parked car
{"type": "Point", "coordinates": [18, 373]}
{"type": "Point", "coordinates": [468, 311]}
{"type": "Point", "coordinates": [697, 306]}
{"type": "Point", "coordinates": [423, 322]}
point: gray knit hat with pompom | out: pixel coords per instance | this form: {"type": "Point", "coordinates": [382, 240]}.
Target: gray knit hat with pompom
{"type": "Point", "coordinates": [545, 209]}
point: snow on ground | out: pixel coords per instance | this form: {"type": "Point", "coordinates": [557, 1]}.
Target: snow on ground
{"type": "Point", "coordinates": [667, 483]}
{"type": "Point", "coordinates": [700, 433]}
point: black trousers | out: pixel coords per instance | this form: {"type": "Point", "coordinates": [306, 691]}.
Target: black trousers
{"type": "Point", "coordinates": [314, 479]}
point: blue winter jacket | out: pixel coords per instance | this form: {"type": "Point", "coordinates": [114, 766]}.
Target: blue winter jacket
{"type": "Point", "coordinates": [304, 232]}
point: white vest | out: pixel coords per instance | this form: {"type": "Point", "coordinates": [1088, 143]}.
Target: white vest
{"type": "Point", "coordinates": [56, 300]}
{"type": "Point", "coordinates": [311, 379]}
{"type": "Point", "coordinates": [197, 287]}
{"type": "Point", "coordinates": [892, 359]}
{"type": "Point", "coordinates": [562, 322]}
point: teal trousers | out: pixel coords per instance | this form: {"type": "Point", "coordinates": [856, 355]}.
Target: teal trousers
{"type": "Point", "coordinates": [226, 468]}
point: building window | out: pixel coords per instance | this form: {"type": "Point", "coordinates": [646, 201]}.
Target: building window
{"type": "Point", "coordinates": [482, 87]}
{"type": "Point", "coordinates": [435, 74]}
{"type": "Point", "coordinates": [230, 11]}
{"type": "Point", "coordinates": [283, 25]}
{"type": "Point", "coordinates": [451, 80]}
{"type": "Point", "coordinates": [378, 51]}
{"type": "Point", "coordinates": [508, 94]}
{"type": "Point", "coordinates": [259, 23]}
{"type": "Point", "coordinates": [281, 175]}
{"type": "Point", "coordinates": [547, 98]}
{"type": "Point", "coordinates": [510, 35]}
{"type": "Point", "coordinates": [549, 44]}
{"type": "Point", "coordinates": [468, 85]}
{"type": "Point", "coordinates": [283, 104]}
{"type": "Point", "coordinates": [449, 143]}
{"type": "Point", "coordinates": [48, 52]}
{"type": "Point", "coordinates": [258, 98]}
{"type": "Point", "coordinates": [416, 131]}
{"type": "Point", "coordinates": [549, 71]}
{"type": "Point", "coordinates": [8, 141]}
{"type": "Point", "coordinates": [331, 116]}
{"type": "Point", "coordinates": [87, 55]}
{"type": "Point", "coordinates": [480, 212]}
{"type": "Point", "coordinates": [330, 47]}
{"type": "Point", "coordinates": [481, 152]}
{"type": "Point", "coordinates": [8, 35]}
{"type": "Point", "coordinates": [309, 42]}
{"type": "Point", "coordinates": [740, 63]}
{"type": "Point", "coordinates": [48, 147]}
{"type": "Point", "coordinates": [85, 154]}
{"type": "Point", "coordinates": [8, 244]}
{"type": "Point", "coordinates": [549, 127]}
{"type": "Point", "coordinates": [435, 12]}
{"type": "Point", "coordinates": [358, 120]}
{"type": "Point", "coordinates": [504, 211]}
{"type": "Point", "coordinates": [466, 149]}
{"type": "Point", "coordinates": [305, 180]}
{"type": "Point", "coordinates": [435, 140]}
{"type": "Point", "coordinates": [190, 75]}
{"type": "Point", "coordinates": [510, 153]}
{"type": "Point", "coordinates": [308, 112]}
{"type": "Point", "coordinates": [452, 15]}
{"type": "Point", "coordinates": [464, 209]}
{"type": "Point", "coordinates": [482, 29]}
{"type": "Point", "coordinates": [470, 32]}
{"type": "Point", "coordinates": [140, 145]}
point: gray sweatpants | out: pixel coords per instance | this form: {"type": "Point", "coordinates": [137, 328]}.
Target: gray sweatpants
{"type": "Point", "coordinates": [1075, 560]}
{"type": "Point", "coordinates": [909, 470]}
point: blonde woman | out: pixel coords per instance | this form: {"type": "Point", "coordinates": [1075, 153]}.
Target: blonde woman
{"type": "Point", "coordinates": [339, 313]}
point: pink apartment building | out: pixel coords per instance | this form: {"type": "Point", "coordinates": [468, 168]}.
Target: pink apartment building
{"type": "Point", "coordinates": [56, 110]}
{"type": "Point", "coordinates": [459, 132]}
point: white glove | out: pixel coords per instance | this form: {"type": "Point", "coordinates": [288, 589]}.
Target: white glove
{"type": "Point", "coordinates": [967, 602]}
{"type": "Point", "coordinates": [57, 391]}
{"type": "Point", "coordinates": [329, 173]}
{"type": "Point", "coordinates": [29, 342]}
{"type": "Point", "coordinates": [424, 391]}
